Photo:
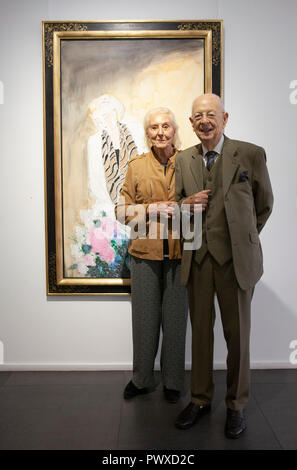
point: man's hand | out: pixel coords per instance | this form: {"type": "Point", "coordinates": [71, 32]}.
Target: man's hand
{"type": "Point", "coordinates": [198, 198]}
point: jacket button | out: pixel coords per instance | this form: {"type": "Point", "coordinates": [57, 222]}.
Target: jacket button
{"type": "Point", "coordinates": [168, 187]}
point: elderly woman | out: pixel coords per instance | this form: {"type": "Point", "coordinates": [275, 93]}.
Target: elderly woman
{"type": "Point", "coordinates": [158, 299]}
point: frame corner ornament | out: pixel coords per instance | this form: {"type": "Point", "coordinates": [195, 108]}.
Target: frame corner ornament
{"type": "Point", "coordinates": [50, 28]}
{"type": "Point", "coordinates": [215, 27]}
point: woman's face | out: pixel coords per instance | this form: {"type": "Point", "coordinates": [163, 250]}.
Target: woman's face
{"type": "Point", "coordinates": [160, 131]}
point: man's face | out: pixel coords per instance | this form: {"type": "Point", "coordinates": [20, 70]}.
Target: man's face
{"type": "Point", "coordinates": [208, 120]}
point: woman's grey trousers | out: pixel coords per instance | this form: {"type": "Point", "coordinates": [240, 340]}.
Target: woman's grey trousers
{"type": "Point", "coordinates": [158, 301]}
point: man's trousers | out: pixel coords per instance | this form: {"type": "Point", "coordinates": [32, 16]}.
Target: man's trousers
{"type": "Point", "coordinates": [206, 280]}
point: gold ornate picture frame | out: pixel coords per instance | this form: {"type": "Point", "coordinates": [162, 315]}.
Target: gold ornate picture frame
{"type": "Point", "coordinates": [99, 80]}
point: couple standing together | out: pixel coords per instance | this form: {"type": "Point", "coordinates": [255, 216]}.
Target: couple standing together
{"type": "Point", "coordinates": [229, 180]}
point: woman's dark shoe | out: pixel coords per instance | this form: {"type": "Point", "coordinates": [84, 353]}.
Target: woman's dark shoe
{"type": "Point", "coordinates": [190, 415]}
{"type": "Point", "coordinates": [132, 391]}
{"type": "Point", "coordinates": [172, 396]}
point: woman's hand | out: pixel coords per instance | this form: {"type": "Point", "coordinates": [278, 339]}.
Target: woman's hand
{"type": "Point", "coordinates": [162, 208]}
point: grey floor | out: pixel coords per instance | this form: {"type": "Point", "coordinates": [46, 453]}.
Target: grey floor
{"type": "Point", "coordinates": [85, 410]}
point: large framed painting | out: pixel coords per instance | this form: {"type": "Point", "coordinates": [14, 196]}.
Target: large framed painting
{"type": "Point", "coordinates": [100, 78]}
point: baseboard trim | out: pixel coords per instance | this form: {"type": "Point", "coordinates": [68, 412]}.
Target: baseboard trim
{"type": "Point", "coordinates": [10, 367]}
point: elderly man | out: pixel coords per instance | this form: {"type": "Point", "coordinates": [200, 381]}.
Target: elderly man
{"type": "Point", "coordinates": [229, 178]}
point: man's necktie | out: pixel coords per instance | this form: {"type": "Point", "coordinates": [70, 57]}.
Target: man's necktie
{"type": "Point", "coordinates": [211, 156]}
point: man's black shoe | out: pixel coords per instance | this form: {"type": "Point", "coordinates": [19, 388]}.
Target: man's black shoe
{"type": "Point", "coordinates": [172, 396]}
{"type": "Point", "coordinates": [190, 415]}
{"type": "Point", "coordinates": [235, 423]}
{"type": "Point", "coordinates": [132, 391]}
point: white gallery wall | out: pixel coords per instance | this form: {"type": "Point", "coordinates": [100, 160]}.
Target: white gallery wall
{"type": "Point", "coordinates": [260, 63]}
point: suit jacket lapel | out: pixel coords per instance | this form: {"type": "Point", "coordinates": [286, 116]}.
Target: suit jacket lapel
{"type": "Point", "coordinates": [230, 163]}
{"type": "Point", "coordinates": [196, 167]}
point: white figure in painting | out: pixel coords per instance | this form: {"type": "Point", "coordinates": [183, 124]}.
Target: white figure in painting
{"type": "Point", "coordinates": [110, 149]}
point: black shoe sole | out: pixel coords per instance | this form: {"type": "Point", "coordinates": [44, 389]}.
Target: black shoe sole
{"type": "Point", "coordinates": [234, 436]}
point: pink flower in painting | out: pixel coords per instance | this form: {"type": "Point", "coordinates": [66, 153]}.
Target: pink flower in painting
{"type": "Point", "coordinates": [89, 260]}
{"type": "Point", "coordinates": [101, 245]}
{"type": "Point", "coordinates": [108, 226]}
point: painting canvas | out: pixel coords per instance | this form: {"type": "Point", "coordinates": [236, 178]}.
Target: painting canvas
{"type": "Point", "coordinates": [103, 82]}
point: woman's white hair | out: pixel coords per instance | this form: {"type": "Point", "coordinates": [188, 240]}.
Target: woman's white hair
{"type": "Point", "coordinates": [161, 110]}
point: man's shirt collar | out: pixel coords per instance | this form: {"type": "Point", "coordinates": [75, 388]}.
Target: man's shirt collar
{"type": "Point", "coordinates": [218, 148]}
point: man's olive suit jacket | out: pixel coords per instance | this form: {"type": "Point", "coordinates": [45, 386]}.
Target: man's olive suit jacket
{"type": "Point", "coordinates": [248, 202]}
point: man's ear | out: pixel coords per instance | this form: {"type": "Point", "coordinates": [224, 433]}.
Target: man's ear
{"type": "Point", "coordinates": [225, 119]}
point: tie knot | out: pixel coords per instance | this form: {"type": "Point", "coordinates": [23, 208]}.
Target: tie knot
{"type": "Point", "coordinates": [210, 154]}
